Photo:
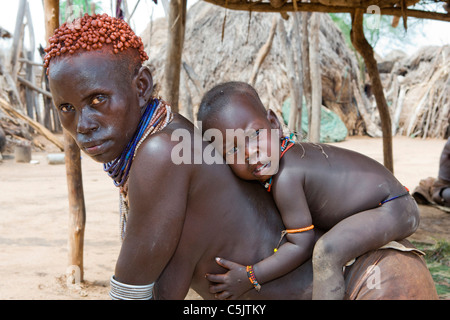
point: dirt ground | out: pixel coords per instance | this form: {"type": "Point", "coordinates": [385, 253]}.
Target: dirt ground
{"type": "Point", "coordinates": [34, 219]}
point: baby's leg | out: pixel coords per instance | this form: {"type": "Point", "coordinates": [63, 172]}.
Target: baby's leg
{"type": "Point", "coordinates": [356, 235]}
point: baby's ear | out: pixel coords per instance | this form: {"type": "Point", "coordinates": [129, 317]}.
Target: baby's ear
{"type": "Point", "coordinates": [273, 119]}
{"type": "Point", "coordinates": [144, 85]}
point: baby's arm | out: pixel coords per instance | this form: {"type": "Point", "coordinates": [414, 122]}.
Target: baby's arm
{"type": "Point", "coordinates": [291, 202]}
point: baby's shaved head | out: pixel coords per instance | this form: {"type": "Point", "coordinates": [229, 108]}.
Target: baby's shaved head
{"type": "Point", "coordinates": [220, 96]}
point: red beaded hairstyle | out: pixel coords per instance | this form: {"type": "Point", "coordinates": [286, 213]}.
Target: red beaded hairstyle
{"type": "Point", "coordinates": [91, 33]}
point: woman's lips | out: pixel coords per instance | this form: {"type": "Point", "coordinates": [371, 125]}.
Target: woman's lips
{"type": "Point", "coordinates": [95, 148]}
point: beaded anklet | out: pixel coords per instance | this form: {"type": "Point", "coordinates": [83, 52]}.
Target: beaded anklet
{"type": "Point", "coordinates": [252, 278]}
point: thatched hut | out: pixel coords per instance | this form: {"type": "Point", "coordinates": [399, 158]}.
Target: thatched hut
{"type": "Point", "coordinates": [212, 55]}
{"type": "Point", "coordinates": [418, 91]}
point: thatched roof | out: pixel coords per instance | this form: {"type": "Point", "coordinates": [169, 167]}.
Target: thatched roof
{"type": "Point", "coordinates": [209, 60]}
{"type": "Point", "coordinates": [417, 88]}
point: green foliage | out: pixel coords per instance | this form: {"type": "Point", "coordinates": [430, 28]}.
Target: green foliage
{"type": "Point", "coordinates": [397, 37]}
{"type": "Point", "coordinates": [72, 9]}
{"type": "Point", "coordinates": [344, 22]}
{"type": "Point", "coordinates": [437, 257]}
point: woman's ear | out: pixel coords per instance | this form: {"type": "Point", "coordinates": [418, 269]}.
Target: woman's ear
{"type": "Point", "coordinates": [144, 85]}
{"type": "Point", "coordinates": [274, 122]}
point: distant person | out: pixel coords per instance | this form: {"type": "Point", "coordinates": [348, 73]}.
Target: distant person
{"type": "Point", "coordinates": [436, 191]}
{"type": "Point", "coordinates": [441, 187]}
{"type": "Point", "coordinates": [360, 204]}
{"type": "Point", "coordinates": [2, 140]}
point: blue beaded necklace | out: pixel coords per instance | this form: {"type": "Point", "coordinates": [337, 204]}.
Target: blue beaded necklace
{"type": "Point", "coordinates": [286, 144]}
{"type": "Point", "coordinates": [119, 168]}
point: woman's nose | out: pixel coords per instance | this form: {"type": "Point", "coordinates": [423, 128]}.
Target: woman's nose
{"type": "Point", "coordinates": [86, 123]}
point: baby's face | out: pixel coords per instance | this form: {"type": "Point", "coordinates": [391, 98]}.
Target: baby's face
{"type": "Point", "coordinates": [251, 141]}
{"type": "Point", "coordinates": [96, 105]}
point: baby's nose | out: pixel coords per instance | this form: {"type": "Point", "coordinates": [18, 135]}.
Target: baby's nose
{"type": "Point", "coordinates": [252, 152]}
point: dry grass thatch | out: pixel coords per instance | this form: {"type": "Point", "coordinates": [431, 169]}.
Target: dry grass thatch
{"type": "Point", "coordinates": [418, 90]}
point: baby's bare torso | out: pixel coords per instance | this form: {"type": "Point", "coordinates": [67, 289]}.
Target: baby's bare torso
{"type": "Point", "coordinates": [337, 182]}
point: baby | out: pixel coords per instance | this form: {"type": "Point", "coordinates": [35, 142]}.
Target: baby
{"type": "Point", "coordinates": [355, 199]}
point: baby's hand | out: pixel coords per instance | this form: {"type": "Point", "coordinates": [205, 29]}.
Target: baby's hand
{"type": "Point", "coordinates": [230, 285]}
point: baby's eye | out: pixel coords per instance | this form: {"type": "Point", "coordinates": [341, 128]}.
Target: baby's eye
{"type": "Point", "coordinates": [232, 151]}
{"type": "Point", "coordinates": [254, 134]}
{"type": "Point", "coordinates": [66, 108]}
{"type": "Point", "coordinates": [98, 99]}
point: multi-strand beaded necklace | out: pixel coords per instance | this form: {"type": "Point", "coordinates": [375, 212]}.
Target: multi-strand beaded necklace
{"type": "Point", "coordinates": [156, 116]}
{"type": "Point", "coordinates": [286, 144]}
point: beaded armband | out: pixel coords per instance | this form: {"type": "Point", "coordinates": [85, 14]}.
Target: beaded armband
{"type": "Point", "coordinates": [252, 278]}
{"type": "Point", "coordinates": [290, 231]}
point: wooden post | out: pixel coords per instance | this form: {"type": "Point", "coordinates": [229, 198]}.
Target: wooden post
{"type": "Point", "coordinates": [305, 62]}
{"type": "Point", "coordinates": [293, 86]}
{"type": "Point", "coordinates": [316, 80]}
{"type": "Point", "coordinates": [263, 52]}
{"type": "Point", "coordinates": [17, 38]}
{"type": "Point", "coordinates": [177, 22]}
{"type": "Point", "coordinates": [31, 100]}
{"type": "Point", "coordinates": [364, 48]}
{"type": "Point", "coordinates": [299, 71]}
{"type": "Point", "coordinates": [77, 212]}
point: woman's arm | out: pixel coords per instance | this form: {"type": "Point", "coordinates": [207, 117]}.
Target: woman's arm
{"type": "Point", "coordinates": [157, 192]}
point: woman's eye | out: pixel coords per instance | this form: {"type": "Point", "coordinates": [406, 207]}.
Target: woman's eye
{"type": "Point", "coordinates": [66, 108]}
{"type": "Point", "coordinates": [98, 99]}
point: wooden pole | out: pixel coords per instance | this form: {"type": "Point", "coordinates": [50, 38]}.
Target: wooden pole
{"type": "Point", "coordinates": [316, 80]}
{"type": "Point", "coordinates": [298, 70]}
{"type": "Point", "coordinates": [18, 33]}
{"type": "Point", "coordinates": [34, 87]}
{"type": "Point", "coordinates": [34, 124]}
{"type": "Point", "coordinates": [77, 211]}
{"type": "Point", "coordinates": [317, 7]}
{"type": "Point", "coordinates": [364, 48]}
{"type": "Point", "coordinates": [31, 100]}
{"type": "Point", "coordinates": [307, 91]}
{"type": "Point", "coordinates": [177, 22]}
{"type": "Point", "coordinates": [290, 66]}
{"type": "Point", "coordinates": [263, 52]}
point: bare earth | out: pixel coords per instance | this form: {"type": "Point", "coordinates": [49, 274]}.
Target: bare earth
{"type": "Point", "coordinates": [34, 219]}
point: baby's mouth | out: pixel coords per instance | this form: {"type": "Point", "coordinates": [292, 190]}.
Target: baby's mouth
{"type": "Point", "coordinates": [260, 167]}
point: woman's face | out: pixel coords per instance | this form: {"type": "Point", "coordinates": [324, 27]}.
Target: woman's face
{"type": "Point", "coordinates": [97, 103]}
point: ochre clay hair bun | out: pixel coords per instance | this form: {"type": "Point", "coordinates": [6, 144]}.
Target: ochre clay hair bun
{"type": "Point", "coordinates": [92, 33]}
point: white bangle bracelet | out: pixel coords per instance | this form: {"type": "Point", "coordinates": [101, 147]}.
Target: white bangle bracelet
{"type": "Point", "coordinates": [122, 291]}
